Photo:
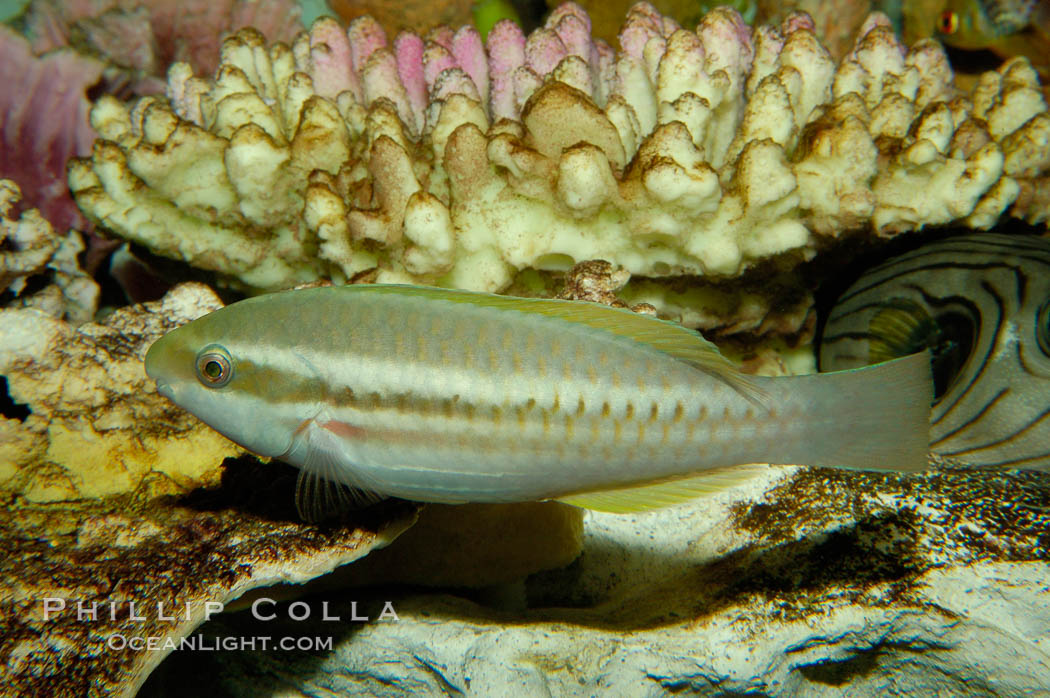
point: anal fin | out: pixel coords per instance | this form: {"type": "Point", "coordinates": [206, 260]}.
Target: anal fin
{"type": "Point", "coordinates": [666, 493]}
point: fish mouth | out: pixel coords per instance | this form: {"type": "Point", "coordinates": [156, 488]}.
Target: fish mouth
{"type": "Point", "coordinates": [165, 390]}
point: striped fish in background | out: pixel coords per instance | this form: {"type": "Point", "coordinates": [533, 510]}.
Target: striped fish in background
{"type": "Point", "coordinates": [981, 304]}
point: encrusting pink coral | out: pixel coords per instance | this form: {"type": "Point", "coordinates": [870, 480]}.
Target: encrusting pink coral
{"type": "Point", "coordinates": [441, 160]}
{"type": "Point", "coordinates": [44, 105]}
{"type": "Point", "coordinates": [44, 111]}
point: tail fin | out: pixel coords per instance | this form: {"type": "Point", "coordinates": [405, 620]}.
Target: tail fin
{"type": "Point", "coordinates": [876, 418]}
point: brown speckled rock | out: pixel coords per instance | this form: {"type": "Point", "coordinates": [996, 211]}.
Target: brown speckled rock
{"type": "Point", "coordinates": [96, 426]}
{"type": "Point", "coordinates": [59, 558]}
{"type": "Point", "coordinates": [598, 281]}
{"type": "Point", "coordinates": [810, 582]}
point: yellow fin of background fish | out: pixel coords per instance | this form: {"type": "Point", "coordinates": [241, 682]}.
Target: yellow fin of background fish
{"type": "Point", "coordinates": [664, 494]}
{"type": "Point", "coordinates": [672, 339]}
{"type": "Point", "coordinates": [903, 327]}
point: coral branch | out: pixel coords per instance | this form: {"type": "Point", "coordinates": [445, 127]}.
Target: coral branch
{"type": "Point", "coordinates": [431, 160]}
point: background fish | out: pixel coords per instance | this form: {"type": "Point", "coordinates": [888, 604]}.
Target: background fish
{"type": "Point", "coordinates": [981, 304]}
{"type": "Point", "coordinates": [450, 396]}
{"type": "Point", "coordinates": [1007, 27]}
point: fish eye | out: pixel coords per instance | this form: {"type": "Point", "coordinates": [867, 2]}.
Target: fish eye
{"type": "Point", "coordinates": [948, 22]}
{"type": "Point", "coordinates": [1042, 329]}
{"type": "Point", "coordinates": [214, 368]}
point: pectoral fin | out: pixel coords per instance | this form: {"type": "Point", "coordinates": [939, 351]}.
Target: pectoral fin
{"type": "Point", "coordinates": [319, 499]}
{"type": "Point", "coordinates": [323, 490]}
{"type": "Point", "coordinates": [900, 328]}
{"type": "Point", "coordinates": [663, 494]}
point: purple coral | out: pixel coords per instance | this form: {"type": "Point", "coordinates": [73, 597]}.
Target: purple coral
{"type": "Point", "coordinates": [148, 35]}
{"type": "Point", "coordinates": [44, 110]}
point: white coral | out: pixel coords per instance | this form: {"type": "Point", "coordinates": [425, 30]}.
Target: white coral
{"type": "Point", "coordinates": [432, 161]}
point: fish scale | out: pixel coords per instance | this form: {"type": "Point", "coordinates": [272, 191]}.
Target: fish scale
{"type": "Point", "coordinates": [452, 396]}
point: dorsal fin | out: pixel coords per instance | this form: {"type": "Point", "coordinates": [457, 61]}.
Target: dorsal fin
{"type": "Point", "coordinates": [669, 338]}
{"type": "Point", "coordinates": [667, 493]}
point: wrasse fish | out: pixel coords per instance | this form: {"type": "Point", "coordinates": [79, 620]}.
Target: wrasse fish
{"type": "Point", "coordinates": [981, 304]}
{"type": "Point", "coordinates": [1007, 27]}
{"type": "Point", "coordinates": [451, 396]}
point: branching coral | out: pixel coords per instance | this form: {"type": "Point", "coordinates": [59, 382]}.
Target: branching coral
{"type": "Point", "coordinates": [30, 249]}
{"type": "Point", "coordinates": [444, 161]}
{"type": "Point", "coordinates": [123, 44]}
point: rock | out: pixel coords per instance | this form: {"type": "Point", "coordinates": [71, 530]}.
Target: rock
{"type": "Point", "coordinates": [90, 581]}
{"type": "Point", "coordinates": [813, 582]}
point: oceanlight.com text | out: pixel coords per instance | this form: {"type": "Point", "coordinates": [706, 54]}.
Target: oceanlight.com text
{"type": "Point", "coordinates": [203, 643]}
